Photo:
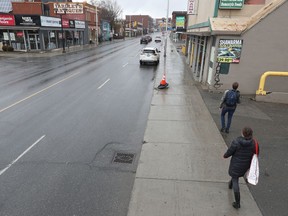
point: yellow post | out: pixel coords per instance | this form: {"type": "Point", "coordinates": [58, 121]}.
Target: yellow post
{"type": "Point", "coordinates": [260, 90]}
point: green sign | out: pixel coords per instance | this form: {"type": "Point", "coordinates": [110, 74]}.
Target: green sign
{"type": "Point", "coordinates": [180, 21]}
{"type": "Point", "coordinates": [231, 4]}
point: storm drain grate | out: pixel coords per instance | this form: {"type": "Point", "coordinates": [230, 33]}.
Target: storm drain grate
{"type": "Point", "coordinates": [123, 158]}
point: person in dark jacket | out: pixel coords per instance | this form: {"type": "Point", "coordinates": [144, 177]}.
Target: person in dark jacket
{"type": "Point", "coordinates": [228, 105]}
{"type": "Point", "coordinates": [241, 150]}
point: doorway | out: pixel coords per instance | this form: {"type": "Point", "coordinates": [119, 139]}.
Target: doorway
{"type": "Point", "coordinates": [34, 41]}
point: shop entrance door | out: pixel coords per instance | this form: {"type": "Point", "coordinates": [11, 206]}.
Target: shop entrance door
{"type": "Point", "coordinates": [34, 41]}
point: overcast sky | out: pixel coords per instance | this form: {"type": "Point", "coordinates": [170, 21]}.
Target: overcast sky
{"type": "Point", "coordinates": [153, 8]}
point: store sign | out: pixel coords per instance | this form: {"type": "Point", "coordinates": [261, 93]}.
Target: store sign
{"type": "Point", "coordinates": [7, 20]}
{"type": "Point", "coordinates": [19, 34]}
{"type": "Point", "coordinates": [180, 21]}
{"type": "Point", "coordinates": [79, 24]}
{"type": "Point", "coordinates": [229, 50]}
{"type": "Point", "coordinates": [65, 23]}
{"type": "Point", "coordinates": [27, 20]}
{"type": "Point", "coordinates": [231, 4]}
{"type": "Point", "coordinates": [68, 8]}
{"type": "Point", "coordinates": [191, 8]}
{"type": "Point", "coordinates": [71, 23]}
{"type": "Point", "coordinates": [50, 21]}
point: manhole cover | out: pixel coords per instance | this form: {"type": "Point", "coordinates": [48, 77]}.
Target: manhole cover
{"type": "Point", "coordinates": [123, 157]}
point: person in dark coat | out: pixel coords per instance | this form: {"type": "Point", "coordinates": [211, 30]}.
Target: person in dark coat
{"type": "Point", "coordinates": [228, 105]}
{"type": "Point", "coordinates": [241, 151]}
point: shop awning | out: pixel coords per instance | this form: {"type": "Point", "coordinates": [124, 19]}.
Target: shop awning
{"type": "Point", "coordinates": [232, 26]}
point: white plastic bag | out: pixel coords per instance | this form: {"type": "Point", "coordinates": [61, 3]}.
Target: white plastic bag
{"type": "Point", "coordinates": [253, 173]}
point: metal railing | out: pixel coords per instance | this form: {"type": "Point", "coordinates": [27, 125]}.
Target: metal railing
{"type": "Point", "coordinates": [260, 90]}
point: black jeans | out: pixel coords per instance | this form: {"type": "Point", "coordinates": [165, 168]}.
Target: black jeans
{"type": "Point", "coordinates": [235, 184]}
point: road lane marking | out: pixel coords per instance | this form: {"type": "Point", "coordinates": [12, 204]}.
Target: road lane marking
{"type": "Point", "coordinates": [125, 65]}
{"type": "Point", "coordinates": [27, 150]}
{"type": "Point", "coordinates": [103, 83]}
{"type": "Point", "coordinates": [36, 93]}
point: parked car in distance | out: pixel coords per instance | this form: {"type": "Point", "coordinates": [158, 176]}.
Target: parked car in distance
{"type": "Point", "coordinates": [158, 39]}
{"type": "Point", "coordinates": [144, 40]}
{"type": "Point", "coordinates": [149, 55]}
{"type": "Point", "coordinates": [149, 38]}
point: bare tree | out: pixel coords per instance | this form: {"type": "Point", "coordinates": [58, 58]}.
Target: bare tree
{"type": "Point", "coordinates": [110, 10]}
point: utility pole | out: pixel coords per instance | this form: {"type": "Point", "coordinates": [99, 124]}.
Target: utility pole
{"type": "Point", "coordinates": [96, 29]}
{"type": "Point", "coordinates": [130, 27]}
{"type": "Point", "coordinates": [165, 48]}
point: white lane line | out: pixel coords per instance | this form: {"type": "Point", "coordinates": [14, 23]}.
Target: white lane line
{"type": "Point", "coordinates": [125, 65]}
{"type": "Point", "coordinates": [103, 83]}
{"type": "Point", "coordinates": [28, 149]}
{"type": "Point", "coordinates": [36, 93]}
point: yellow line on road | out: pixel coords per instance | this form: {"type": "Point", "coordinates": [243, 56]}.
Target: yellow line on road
{"type": "Point", "coordinates": [36, 93]}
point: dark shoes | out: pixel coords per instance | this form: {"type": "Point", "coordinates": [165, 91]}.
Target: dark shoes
{"type": "Point", "coordinates": [226, 130]}
{"type": "Point", "coordinates": [236, 204]}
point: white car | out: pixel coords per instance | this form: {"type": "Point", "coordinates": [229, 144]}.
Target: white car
{"type": "Point", "coordinates": [150, 55]}
{"type": "Point", "coordinates": [158, 39]}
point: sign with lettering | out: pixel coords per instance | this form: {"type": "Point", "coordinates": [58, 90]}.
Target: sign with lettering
{"type": "Point", "coordinates": [229, 50]}
{"type": "Point", "coordinates": [180, 21]}
{"type": "Point", "coordinates": [50, 21]}
{"type": "Point", "coordinates": [191, 7]}
{"type": "Point", "coordinates": [231, 4]}
{"type": "Point", "coordinates": [79, 24]}
{"type": "Point", "coordinates": [27, 20]}
{"type": "Point", "coordinates": [7, 20]}
{"type": "Point", "coordinates": [68, 8]}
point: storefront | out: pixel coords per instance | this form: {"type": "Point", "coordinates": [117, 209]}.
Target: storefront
{"type": "Point", "coordinates": [32, 33]}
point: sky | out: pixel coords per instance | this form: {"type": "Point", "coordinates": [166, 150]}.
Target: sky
{"type": "Point", "coordinates": [153, 8]}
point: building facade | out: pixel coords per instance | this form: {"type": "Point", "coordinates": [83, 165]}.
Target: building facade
{"type": "Point", "coordinates": [230, 41]}
{"type": "Point", "coordinates": [32, 26]}
{"type": "Point", "coordinates": [136, 24]}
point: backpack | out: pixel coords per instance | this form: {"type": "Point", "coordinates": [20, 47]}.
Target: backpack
{"type": "Point", "coordinates": [231, 98]}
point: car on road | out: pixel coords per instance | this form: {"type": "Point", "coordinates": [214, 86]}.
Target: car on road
{"type": "Point", "coordinates": [149, 55]}
{"type": "Point", "coordinates": [144, 40]}
{"type": "Point", "coordinates": [158, 39]}
{"type": "Point", "coordinates": [149, 38]}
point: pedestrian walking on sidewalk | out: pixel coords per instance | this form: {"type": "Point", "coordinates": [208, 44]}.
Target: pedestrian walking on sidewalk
{"type": "Point", "coordinates": [228, 105]}
{"type": "Point", "coordinates": [241, 151]}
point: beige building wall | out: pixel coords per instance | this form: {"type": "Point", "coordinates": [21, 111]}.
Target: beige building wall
{"type": "Point", "coordinates": [265, 48]}
{"type": "Point", "coordinates": [264, 44]}
{"type": "Point", "coordinates": [205, 9]}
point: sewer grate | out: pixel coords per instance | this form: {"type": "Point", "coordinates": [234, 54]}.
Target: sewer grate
{"type": "Point", "coordinates": [121, 157]}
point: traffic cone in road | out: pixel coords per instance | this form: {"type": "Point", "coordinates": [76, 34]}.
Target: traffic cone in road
{"type": "Point", "coordinates": [163, 83]}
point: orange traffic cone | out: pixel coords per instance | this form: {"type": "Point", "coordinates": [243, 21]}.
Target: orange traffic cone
{"type": "Point", "coordinates": [163, 83]}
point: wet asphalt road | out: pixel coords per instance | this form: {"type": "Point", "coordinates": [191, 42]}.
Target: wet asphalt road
{"type": "Point", "coordinates": [62, 120]}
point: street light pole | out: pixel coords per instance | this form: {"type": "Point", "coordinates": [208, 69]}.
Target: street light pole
{"type": "Point", "coordinates": [165, 48]}
{"type": "Point", "coordinates": [96, 26]}
{"type": "Point", "coordinates": [130, 27]}
{"type": "Point", "coordinates": [62, 30]}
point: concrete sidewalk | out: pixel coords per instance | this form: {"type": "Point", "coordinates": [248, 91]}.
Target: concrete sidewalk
{"type": "Point", "coordinates": [181, 168]}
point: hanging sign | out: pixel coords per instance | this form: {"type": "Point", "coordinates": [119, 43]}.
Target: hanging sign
{"type": "Point", "coordinates": [191, 7]}
{"type": "Point", "coordinates": [229, 50]}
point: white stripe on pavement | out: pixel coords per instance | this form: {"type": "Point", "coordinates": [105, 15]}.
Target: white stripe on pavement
{"type": "Point", "coordinates": [103, 83]}
{"type": "Point", "coordinates": [28, 149]}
